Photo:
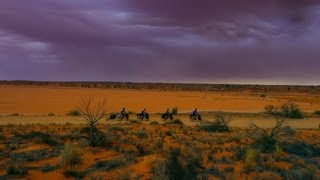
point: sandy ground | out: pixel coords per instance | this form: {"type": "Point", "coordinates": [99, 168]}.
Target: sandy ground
{"type": "Point", "coordinates": [35, 103]}
{"type": "Point", "coordinates": [44, 100]}
{"type": "Point", "coordinates": [243, 122]}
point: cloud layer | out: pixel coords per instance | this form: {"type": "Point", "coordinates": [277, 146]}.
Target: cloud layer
{"type": "Point", "coordinates": [215, 41]}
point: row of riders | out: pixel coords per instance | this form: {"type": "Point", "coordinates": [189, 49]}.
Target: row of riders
{"type": "Point", "coordinates": [145, 116]}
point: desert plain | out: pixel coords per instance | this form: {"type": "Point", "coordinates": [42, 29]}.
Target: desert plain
{"type": "Point", "coordinates": [40, 140]}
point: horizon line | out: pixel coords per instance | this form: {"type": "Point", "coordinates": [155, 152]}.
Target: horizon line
{"type": "Point", "coordinates": [159, 82]}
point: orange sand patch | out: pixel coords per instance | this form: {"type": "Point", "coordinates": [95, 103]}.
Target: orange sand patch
{"type": "Point", "coordinates": [34, 174]}
{"type": "Point", "coordinates": [33, 148]}
{"type": "Point", "coordinates": [282, 165]}
{"type": "Point", "coordinates": [44, 100]}
{"type": "Point", "coordinates": [101, 154]}
{"type": "Point", "coordinates": [144, 164]}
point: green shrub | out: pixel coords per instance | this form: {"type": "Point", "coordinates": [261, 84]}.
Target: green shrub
{"type": "Point", "coordinates": [74, 113]}
{"type": "Point", "coordinates": [265, 139]}
{"type": "Point", "coordinates": [288, 110]}
{"type": "Point", "coordinates": [173, 167]}
{"type": "Point", "coordinates": [177, 165]}
{"type": "Point", "coordinates": [109, 165]}
{"type": "Point", "coordinates": [317, 113]}
{"type": "Point", "coordinates": [291, 110]}
{"type": "Point", "coordinates": [250, 160]}
{"type": "Point", "coordinates": [70, 158]}
{"type": "Point", "coordinates": [141, 134]}
{"type": "Point", "coordinates": [278, 153]}
{"type": "Point", "coordinates": [17, 170]}
{"type": "Point", "coordinates": [175, 111]}
{"type": "Point", "coordinates": [299, 174]}
{"type": "Point", "coordinates": [301, 149]}
{"type": "Point", "coordinates": [265, 143]}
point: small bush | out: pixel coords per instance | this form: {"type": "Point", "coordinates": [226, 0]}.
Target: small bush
{"type": "Point", "coordinates": [278, 153]}
{"type": "Point", "coordinates": [17, 170]}
{"type": "Point", "coordinates": [317, 113]}
{"type": "Point", "coordinates": [177, 165]}
{"type": "Point", "coordinates": [15, 114]}
{"type": "Point", "coordinates": [288, 110]}
{"type": "Point", "coordinates": [116, 128]}
{"type": "Point", "coordinates": [265, 144]}
{"type": "Point", "coordinates": [135, 122]}
{"type": "Point", "coordinates": [265, 139]}
{"type": "Point", "coordinates": [173, 167]}
{"type": "Point", "coordinates": [176, 121]}
{"type": "Point", "coordinates": [47, 139]}
{"type": "Point", "coordinates": [70, 158]}
{"type": "Point", "coordinates": [289, 131]}
{"type": "Point", "coordinates": [74, 173]}
{"type": "Point", "coordinates": [295, 114]}
{"type": "Point", "coordinates": [175, 111]}
{"type": "Point", "coordinates": [74, 113]}
{"type": "Point", "coordinates": [271, 109]}
{"type": "Point", "coordinates": [112, 164]}
{"type": "Point", "coordinates": [240, 153]}
{"type": "Point", "coordinates": [141, 134]}
{"type": "Point", "coordinates": [301, 149]}
{"type": "Point", "coordinates": [48, 168]}
{"type": "Point", "coordinates": [221, 124]}
{"type": "Point", "coordinates": [51, 114]}
{"type": "Point", "coordinates": [168, 133]}
{"type": "Point", "coordinates": [250, 160]}
{"type": "Point", "coordinates": [154, 122]}
{"type": "Point", "coordinates": [299, 174]}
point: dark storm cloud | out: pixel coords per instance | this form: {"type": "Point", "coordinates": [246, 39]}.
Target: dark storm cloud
{"type": "Point", "coordinates": [266, 41]}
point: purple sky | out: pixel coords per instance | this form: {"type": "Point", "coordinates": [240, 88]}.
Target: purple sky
{"type": "Point", "coordinates": [212, 41]}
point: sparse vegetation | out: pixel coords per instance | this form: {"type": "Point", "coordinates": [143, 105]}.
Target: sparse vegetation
{"type": "Point", "coordinates": [112, 164]}
{"type": "Point", "coordinates": [317, 113]}
{"type": "Point", "coordinates": [250, 160]}
{"type": "Point", "coordinates": [178, 166]}
{"type": "Point", "coordinates": [199, 155]}
{"type": "Point", "coordinates": [74, 113]}
{"type": "Point", "coordinates": [287, 110]}
{"type": "Point", "coordinates": [271, 109]}
{"type": "Point", "coordinates": [175, 111]}
{"type": "Point", "coordinates": [300, 148]}
{"type": "Point", "coordinates": [175, 121]}
{"type": "Point", "coordinates": [221, 124]}
{"type": "Point", "coordinates": [93, 112]}
{"type": "Point", "coordinates": [70, 158]}
{"type": "Point", "coordinates": [291, 110]}
{"type": "Point", "coordinates": [266, 140]}
{"type": "Point", "coordinates": [15, 114]}
{"type": "Point", "coordinates": [29, 149]}
{"type": "Point", "coordinates": [51, 114]}
{"type": "Point", "coordinates": [17, 170]}
{"type": "Point", "coordinates": [141, 134]}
